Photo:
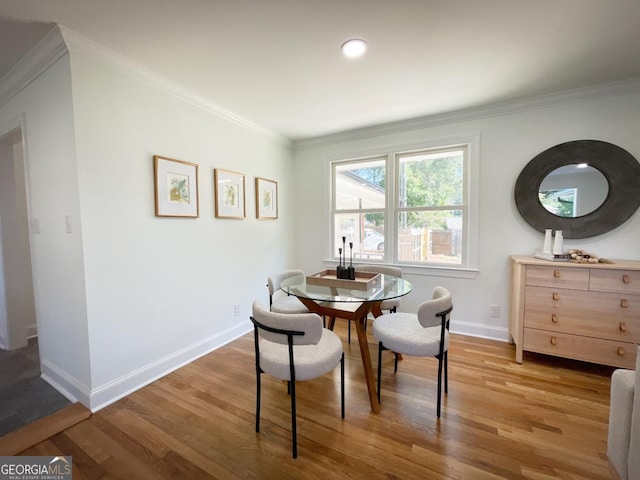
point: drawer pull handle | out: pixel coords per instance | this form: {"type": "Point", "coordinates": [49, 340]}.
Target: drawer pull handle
{"type": "Point", "coordinates": [626, 279]}
{"type": "Point", "coordinates": [556, 274]}
{"type": "Point", "coordinates": [624, 303]}
{"type": "Point", "coordinates": [556, 296]}
{"type": "Point", "coordinates": [621, 351]}
{"type": "Point", "coordinates": [554, 341]}
{"type": "Point", "coordinates": [554, 318]}
{"type": "Point", "coordinates": [623, 327]}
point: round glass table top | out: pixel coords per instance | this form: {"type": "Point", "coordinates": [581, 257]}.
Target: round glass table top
{"type": "Point", "coordinates": [388, 287]}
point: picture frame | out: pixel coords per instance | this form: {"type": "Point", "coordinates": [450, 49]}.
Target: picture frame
{"type": "Point", "coordinates": [229, 194]}
{"type": "Point", "coordinates": [175, 188]}
{"type": "Point", "coordinates": [266, 199]}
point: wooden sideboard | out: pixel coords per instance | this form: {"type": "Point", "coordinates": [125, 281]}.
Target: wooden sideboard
{"type": "Point", "coordinates": [588, 312]}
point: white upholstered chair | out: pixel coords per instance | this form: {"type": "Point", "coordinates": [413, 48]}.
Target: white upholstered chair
{"type": "Point", "coordinates": [279, 301]}
{"type": "Point", "coordinates": [424, 334]}
{"type": "Point", "coordinates": [294, 347]}
{"type": "Point", "coordinates": [623, 445]}
{"type": "Point", "coordinates": [393, 304]}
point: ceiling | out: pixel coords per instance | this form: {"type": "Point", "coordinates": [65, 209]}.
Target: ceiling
{"type": "Point", "coordinates": [278, 62]}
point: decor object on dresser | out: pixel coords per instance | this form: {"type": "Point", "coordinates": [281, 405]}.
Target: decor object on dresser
{"type": "Point", "coordinates": [176, 187]}
{"type": "Point", "coordinates": [621, 172]}
{"type": "Point", "coordinates": [623, 443]}
{"type": "Point", "coordinates": [582, 256]}
{"type": "Point", "coordinates": [423, 334]}
{"type": "Point", "coordinates": [294, 347]}
{"type": "Point", "coordinates": [266, 199]}
{"type": "Point", "coordinates": [588, 312]}
{"type": "Point", "coordinates": [229, 194]}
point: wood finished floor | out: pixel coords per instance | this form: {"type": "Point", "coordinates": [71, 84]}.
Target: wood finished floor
{"type": "Point", "coordinates": [544, 419]}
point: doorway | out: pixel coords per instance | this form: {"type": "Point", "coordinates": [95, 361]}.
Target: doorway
{"type": "Point", "coordinates": [17, 303]}
{"type": "Point", "coordinates": [25, 395]}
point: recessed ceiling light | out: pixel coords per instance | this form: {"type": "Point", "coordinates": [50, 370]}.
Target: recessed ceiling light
{"type": "Point", "coordinates": [354, 48]}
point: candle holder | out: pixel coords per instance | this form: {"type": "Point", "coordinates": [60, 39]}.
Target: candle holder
{"type": "Point", "coordinates": [341, 270]}
{"type": "Point", "coordinates": [351, 270]}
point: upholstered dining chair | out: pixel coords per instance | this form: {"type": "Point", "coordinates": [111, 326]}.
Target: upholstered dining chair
{"type": "Point", "coordinates": [391, 305]}
{"type": "Point", "coordinates": [279, 301]}
{"type": "Point", "coordinates": [294, 347]}
{"type": "Point", "coordinates": [423, 334]}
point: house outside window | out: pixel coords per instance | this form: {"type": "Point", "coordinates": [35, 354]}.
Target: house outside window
{"type": "Point", "coordinates": [404, 207]}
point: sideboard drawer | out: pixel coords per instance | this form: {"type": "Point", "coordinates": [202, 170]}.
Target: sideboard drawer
{"type": "Point", "coordinates": [558, 277]}
{"type": "Point", "coordinates": [589, 349]}
{"type": "Point", "coordinates": [612, 316]}
{"type": "Point", "coordinates": [623, 281]}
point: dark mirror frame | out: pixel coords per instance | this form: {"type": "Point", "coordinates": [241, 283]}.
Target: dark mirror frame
{"type": "Point", "coordinates": [619, 167]}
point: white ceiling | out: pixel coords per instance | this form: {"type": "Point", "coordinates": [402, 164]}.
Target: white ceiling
{"type": "Point", "coordinates": [278, 63]}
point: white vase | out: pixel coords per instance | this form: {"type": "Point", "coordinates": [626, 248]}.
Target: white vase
{"type": "Point", "coordinates": [548, 233]}
{"type": "Point", "coordinates": [558, 247]}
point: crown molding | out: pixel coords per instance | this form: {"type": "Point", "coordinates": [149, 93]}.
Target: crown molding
{"type": "Point", "coordinates": [622, 87]}
{"type": "Point", "coordinates": [44, 54]}
{"type": "Point", "coordinates": [61, 40]}
{"type": "Point", "coordinates": [80, 45]}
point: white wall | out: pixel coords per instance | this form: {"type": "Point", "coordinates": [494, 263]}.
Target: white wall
{"type": "Point", "coordinates": [161, 291]}
{"type": "Point", "coordinates": [508, 142]}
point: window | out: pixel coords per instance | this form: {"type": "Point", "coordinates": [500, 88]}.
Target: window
{"type": "Point", "coordinates": [404, 207]}
{"type": "Point", "coordinates": [359, 207]}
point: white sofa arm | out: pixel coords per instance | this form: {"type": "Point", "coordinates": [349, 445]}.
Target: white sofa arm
{"type": "Point", "coordinates": [634, 443]}
{"type": "Point", "coordinates": [620, 417]}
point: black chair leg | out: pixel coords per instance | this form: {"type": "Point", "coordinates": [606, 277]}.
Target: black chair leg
{"type": "Point", "coordinates": [342, 384]}
{"type": "Point", "coordinates": [379, 367]}
{"type": "Point", "coordinates": [294, 433]}
{"type": "Point", "coordinates": [446, 372]}
{"type": "Point", "coordinates": [395, 362]}
{"type": "Point", "coordinates": [439, 383]}
{"type": "Point", "coordinates": [257, 401]}
{"type": "Point", "coordinates": [349, 334]}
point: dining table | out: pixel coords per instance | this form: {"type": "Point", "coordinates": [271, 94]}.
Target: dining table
{"type": "Point", "coordinates": [342, 299]}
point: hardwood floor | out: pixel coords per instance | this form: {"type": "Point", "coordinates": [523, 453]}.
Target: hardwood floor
{"type": "Point", "coordinates": [544, 419]}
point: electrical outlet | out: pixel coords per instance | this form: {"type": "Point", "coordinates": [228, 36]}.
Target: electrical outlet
{"type": "Point", "coordinates": [494, 311]}
{"type": "Point", "coordinates": [236, 310]}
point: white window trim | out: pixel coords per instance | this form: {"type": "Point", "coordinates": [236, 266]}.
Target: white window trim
{"type": "Point", "coordinates": [472, 179]}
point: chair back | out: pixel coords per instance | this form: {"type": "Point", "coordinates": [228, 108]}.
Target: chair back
{"type": "Point", "coordinates": [274, 280]}
{"type": "Point", "coordinates": [428, 311]}
{"type": "Point", "coordinates": [279, 324]}
{"type": "Point", "coordinates": [394, 303]}
{"type": "Point", "coordinates": [384, 269]}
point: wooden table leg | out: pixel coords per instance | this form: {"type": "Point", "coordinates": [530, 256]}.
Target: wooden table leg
{"type": "Point", "coordinates": [366, 361]}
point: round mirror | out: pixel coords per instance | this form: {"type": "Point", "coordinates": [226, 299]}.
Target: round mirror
{"type": "Point", "coordinates": [619, 168]}
{"type": "Point", "coordinates": [573, 190]}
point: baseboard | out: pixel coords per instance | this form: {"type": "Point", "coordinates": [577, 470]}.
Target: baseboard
{"type": "Point", "coordinates": [32, 330]}
{"type": "Point", "coordinates": [478, 330]}
{"type": "Point", "coordinates": [66, 384]}
{"type": "Point", "coordinates": [105, 395]}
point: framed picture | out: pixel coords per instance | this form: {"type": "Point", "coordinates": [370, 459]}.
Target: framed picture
{"type": "Point", "coordinates": [266, 199]}
{"type": "Point", "coordinates": [229, 194]}
{"type": "Point", "coordinates": [176, 187]}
